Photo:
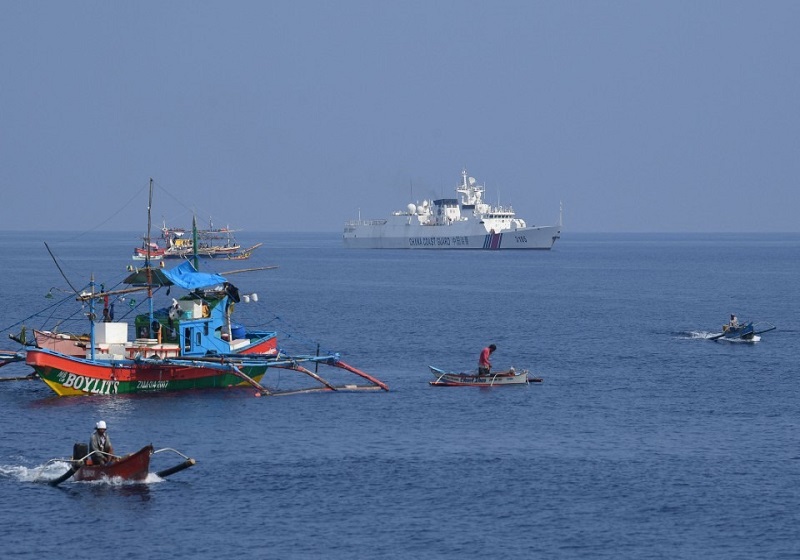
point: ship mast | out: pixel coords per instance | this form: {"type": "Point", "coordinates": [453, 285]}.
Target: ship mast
{"type": "Point", "coordinates": [147, 262]}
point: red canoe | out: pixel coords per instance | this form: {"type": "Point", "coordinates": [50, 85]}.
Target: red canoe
{"type": "Point", "coordinates": [131, 467]}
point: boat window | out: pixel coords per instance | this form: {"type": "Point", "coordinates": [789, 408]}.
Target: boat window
{"type": "Point", "coordinates": [198, 339]}
{"type": "Point", "coordinates": [187, 340]}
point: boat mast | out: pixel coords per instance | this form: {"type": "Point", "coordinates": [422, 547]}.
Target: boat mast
{"type": "Point", "coordinates": [194, 242]}
{"type": "Point", "coordinates": [147, 263]}
{"type": "Point", "coordinates": [91, 319]}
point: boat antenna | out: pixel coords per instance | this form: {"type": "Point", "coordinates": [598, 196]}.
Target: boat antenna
{"type": "Point", "coordinates": [149, 225]}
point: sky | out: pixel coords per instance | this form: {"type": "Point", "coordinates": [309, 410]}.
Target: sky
{"type": "Point", "coordinates": [656, 116]}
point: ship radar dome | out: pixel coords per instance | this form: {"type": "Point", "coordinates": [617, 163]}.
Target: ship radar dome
{"type": "Point", "coordinates": [472, 181]}
{"type": "Point", "coordinates": [412, 209]}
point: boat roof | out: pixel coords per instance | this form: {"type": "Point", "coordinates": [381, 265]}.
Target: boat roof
{"type": "Point", "coordinates": [188, 278]}
{"type": "Point", "coordinates": [183, 275]}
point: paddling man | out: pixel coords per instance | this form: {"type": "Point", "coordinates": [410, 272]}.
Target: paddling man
{"type": "Point", "coordinates": [100, 442]}
{"type": "Point", "coordinates": [484, 365]}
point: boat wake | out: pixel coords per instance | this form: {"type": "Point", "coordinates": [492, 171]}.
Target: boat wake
{"type": "Point", "coordinates": [54, 469]}
{"type": "Point", "coordinates": [705, 335]}
{"type": "Point", "coordinates": [42, 473]}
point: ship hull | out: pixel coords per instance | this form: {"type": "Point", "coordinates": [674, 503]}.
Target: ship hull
{"type": "Point", "coordinates": [70, 376]}
{"type": "Point", "coordinates": [407, 236]}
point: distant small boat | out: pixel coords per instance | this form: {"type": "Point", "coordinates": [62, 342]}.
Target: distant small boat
{"type": "Point", "coordinates": [748, 331]}
{"type": "Point", "coordinates": [509, 377]}
{"type": "Point", "coordinates": [211, 243]}
{"type": "Point", "coordinates": [133, 467]}
{"type": "Point", "coordinates": [155, 252]}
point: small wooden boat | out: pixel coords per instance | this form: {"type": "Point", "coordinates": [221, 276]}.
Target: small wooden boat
{"type": "Point", "coordinates": [148, 251]}
{"type": "Point", "coordinates": [509, 377]}
{"type": "Point", "coordinates": [133, 467]}
{"type": "Point", "coordinates": [748, 331]}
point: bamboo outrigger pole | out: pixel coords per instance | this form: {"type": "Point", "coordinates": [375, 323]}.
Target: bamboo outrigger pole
{"type": "Point", "coordinates": [297, 367]}
{"type": "Point", "coordinates": [366, 376]}
{"type": "Point", "coordinates": [242, 375]}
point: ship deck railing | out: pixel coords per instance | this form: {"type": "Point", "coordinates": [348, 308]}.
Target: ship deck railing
{"type": "Point", "coordinates": [352, 223]}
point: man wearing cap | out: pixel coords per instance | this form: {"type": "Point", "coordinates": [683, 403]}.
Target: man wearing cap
{"type": "Point", "coordinates": [100, 441]}
{"type": "Point", "coordinates": [484, 365]}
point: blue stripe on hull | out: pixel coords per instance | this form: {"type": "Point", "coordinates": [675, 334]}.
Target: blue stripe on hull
{"type": "Point", "coordinates": [493, 241]}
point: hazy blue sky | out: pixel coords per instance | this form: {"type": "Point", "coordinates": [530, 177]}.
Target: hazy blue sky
{"type": "Point", "coordinates": [293, 115]}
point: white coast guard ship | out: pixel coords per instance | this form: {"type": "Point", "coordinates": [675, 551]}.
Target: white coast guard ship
{"type": "Point", "coordinates": [450, 223]}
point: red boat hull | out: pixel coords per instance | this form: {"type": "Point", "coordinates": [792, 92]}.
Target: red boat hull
{"type": "Point", "coordinates": [132, 467]}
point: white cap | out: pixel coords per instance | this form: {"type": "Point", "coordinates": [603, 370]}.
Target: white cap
{"type": "Point", "coordinates": [101, 425]}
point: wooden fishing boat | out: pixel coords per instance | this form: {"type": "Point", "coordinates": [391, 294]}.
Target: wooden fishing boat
{"type": "Point", "coordinates": [210, 242]}
{"type": "Point", "coordinates": [172, 345]}
{"type": "Point", "coordinates": [509, 377]}
{"type": "Point", "coordinates": [134, 467]}
{"type": "Point", "coordinates": [748, 331]}
{"type": "Point", "coordinates": [191, 344]}
{"type": "Point", "coordinates": [148, 251]}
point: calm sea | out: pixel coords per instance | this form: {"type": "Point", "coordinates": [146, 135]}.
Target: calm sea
{"type": "Point", "coordinates": [645, 440]}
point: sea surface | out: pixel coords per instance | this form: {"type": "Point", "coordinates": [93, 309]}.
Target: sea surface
{"type": "Point", "coordinates": [645, 439]}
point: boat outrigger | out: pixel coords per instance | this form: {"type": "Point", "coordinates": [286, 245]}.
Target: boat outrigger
{"type": "Point", "coordinates": [472, 379]}
{"type": "Point", "coordinates": [134, 467]}
{"type": "Point", "coordinates": [10, 356]}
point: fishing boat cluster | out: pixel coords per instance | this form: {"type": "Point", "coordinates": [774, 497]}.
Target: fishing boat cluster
{"type": "Point", "coordinates": [190, 343]}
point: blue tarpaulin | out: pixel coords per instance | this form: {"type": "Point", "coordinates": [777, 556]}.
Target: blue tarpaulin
{"type": "Point", "coordinates": [188, 278]}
